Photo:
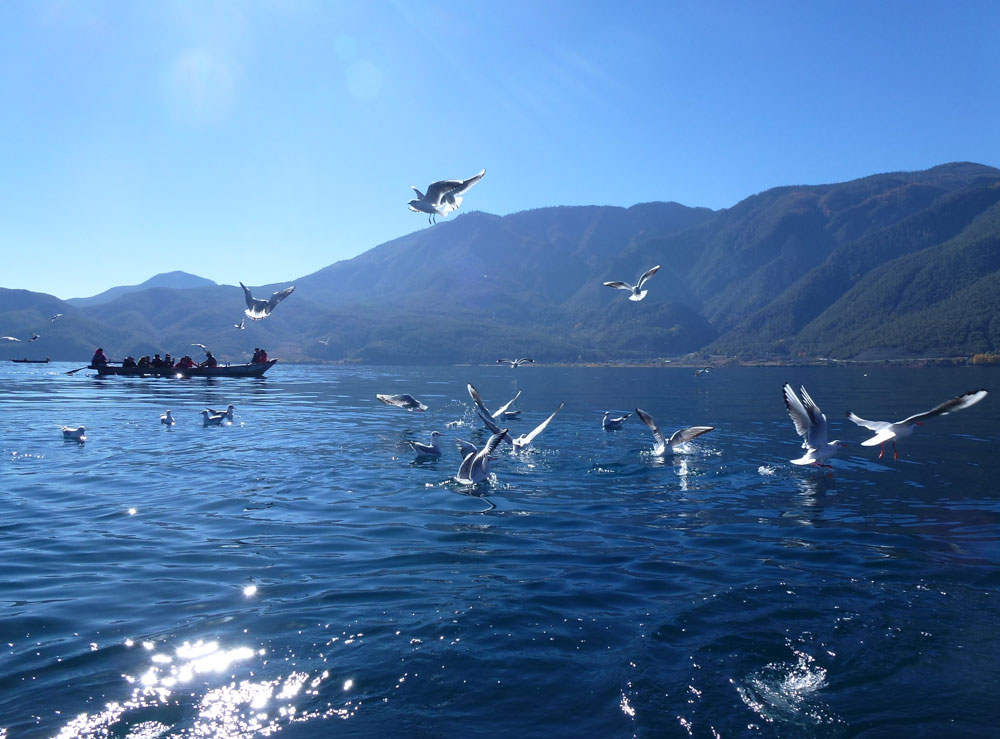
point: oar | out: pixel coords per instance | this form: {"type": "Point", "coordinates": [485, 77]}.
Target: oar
{"type": "Point", "coordinates": [76, 370]}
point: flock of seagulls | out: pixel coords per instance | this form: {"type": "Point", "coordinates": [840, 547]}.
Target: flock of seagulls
{"type": "Point", "coordinates": [210, 417]}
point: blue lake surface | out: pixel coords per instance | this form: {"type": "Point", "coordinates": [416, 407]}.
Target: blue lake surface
{"type": "Point", "coordinates": [300, 571]}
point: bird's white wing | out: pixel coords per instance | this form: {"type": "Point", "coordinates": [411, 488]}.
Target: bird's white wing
{"type": "Point", "coordinates": [248, 297]}
{"type": "Point", "coordinates": [817, 436]}
{"type": "Point", "coordinates": [500, 411]}
{"type": "Point", "coordinates": [465, 448]}
{"type": "Point", "coordinates": [420, 196]}
{"type": "Point", "coordinates": [9, 338]}
{"type": "Point", "coordinates": [505, 361]}
{"type": "Point", "coordinates": [691, 432]}
{"type": "Point", "coordinates": [203, 347]}
{"type": "Point", "coordinates": [478, 399]}
{"type": "Point", "coordinates": [541, 427]}
{"type": "Point", "coordinates": [618, 285]}
{"type": "Point", "coordinates": [646, 275]}
{"type": "Point", "coordinates": [949, 406]}
{"type": "Point", "coordinates": [278, 297]}
{"type": "Point", "coordinates": [870, 425]}
{"type": "Point", "coordinates": [651, 423]}
{"type": "Point", "coordinates": [464, 185]}
{"type": "Point", "coordinates": [437, 190]}
{"type": "Point", "coordinates": [465, 469]}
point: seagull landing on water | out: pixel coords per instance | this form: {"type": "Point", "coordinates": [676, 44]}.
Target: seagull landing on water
{"type": "Point", "coordinates": [887, 431]}
{"type": "Point", "coordinates": [613, 424]}
{"type": "Point", "coordinates": [427, 450]}
{"type": "Point", "coordinates": [74, 434]}
{"type": "Point", "coordinates": [259, 309]}
{"type": "Point", "coordinates": [810, 424]}
{"type": "Point", "coordinates": [442, 197]}
{"type": "Point", "coordinates": [515, 363]}
{"type": "Point", "coordinates": [666, 446]}
{"type": "Point", "coordinates": [167, 419]}
{"type": "Point", "coordinates": [475, 465]}
{"type": "Point", "coordinates": [404, 401]}
{"type": "Point", "coordinates": [637, 292]}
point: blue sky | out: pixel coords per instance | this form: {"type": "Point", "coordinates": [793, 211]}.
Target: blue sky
{"type": "Point", "coordinates": [262, 140]}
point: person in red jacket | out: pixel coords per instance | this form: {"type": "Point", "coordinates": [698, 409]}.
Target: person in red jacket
{"type": "Point", "coordinates": [99, 358]}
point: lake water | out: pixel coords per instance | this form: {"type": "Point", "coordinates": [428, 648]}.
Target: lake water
{"type": "Point", "coordinates": [299, 571]}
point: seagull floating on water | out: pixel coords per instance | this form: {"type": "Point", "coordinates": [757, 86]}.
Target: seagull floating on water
{"type": "Point", "coordinates": [666, 446]}
{"type": "Point", "coordinates": [74, 434]}
{"type": "Point", "coordinates": [212, 419]}
{"type": "Point", "coordinates": [810, 424]}
{"type": "Point", "coordinates": [637, 292]}
{"type": "Point", "coordinates": [613, 424]}
{"type": "Point", "coordinates": [404, 401]}
{"type": "Point", "coordinates": [442, 197]}
{"type": "Point", "coordinates": [427, 450]}
{"type": "Point", "coordinates": [167, 419]}
{"type": "Point", "coordinates": [259, 309]}
{"type": "Point", "coordinates": [475, 465]}
{"type": "Point", "coordinates": [887, 431]}
{"type": "Point", "coordinates": [515, 363]}
{"type": "Point", "coordinates": [227, 414]}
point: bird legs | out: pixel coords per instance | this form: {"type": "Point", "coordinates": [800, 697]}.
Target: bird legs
{"type": "Point", "coordinates": [895, 454]}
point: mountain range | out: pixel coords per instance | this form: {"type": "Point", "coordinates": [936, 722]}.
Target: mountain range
{"type": "Point", "coordinates": [898, 264]}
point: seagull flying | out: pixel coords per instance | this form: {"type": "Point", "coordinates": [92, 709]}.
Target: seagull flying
{"type": "Point", "coordinates": [442, 197]}
{"type": "Point", "coordinates": [637, 292]}
{"type": "Point", "coordinates": [810, 424]}
{"type": "Point", "coordinates": [886, 431]}
{"type": "Point", "coordinates": [8, 338]}
{"type": "Point", "coordinates": [57, 315]}
{"type": "Point", "coordinates": [476, 464]}
{"type": "Point", "coordinates": [34, 337]}
{"type": "Point", "coordinates": [521, 441]}
{"type": "Point", "coordinates": [203, 347]}
{"type": "Point", "coordinates": [666, 446]}
{"type": "Point", "coordinates": [324, 342]}
{"type": "Point", "coordinates": [427, 450]}
{"type": "Point", "coordinates": [613, 424]}
{"type": "Point", "coordinates": [515, 363]}
{"type": "Point", "coordinates": [167, 419]}
{"type": "Point", "coordinates": [258, 309]}
{"type": "Point", "coordinates": [704, 371]}
{"type": "Point", "coordinates": [75, 434]}
{"type": "Point", "coordinates": [241, 325]}
{"type": "Point", "coordinates": [404, 401]}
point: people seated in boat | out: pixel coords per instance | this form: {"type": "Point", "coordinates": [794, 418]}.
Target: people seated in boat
{"type": "Point", "coordinates": [256, 355]}
{"type": "Point", "coordinates": [168, 360]}
{"type": "Point", "coordinates": [185, 362]}
{"type": "Point", "coordinates": [145, 362]}
{"type": "Point", "coordinates": [99, 358]}
{"type": "Point", "coordinates": [262, 357]}
{"type": "Point", "coordinates": [129, 361]}
{"type": "Point", "coordinates": [210, 360]}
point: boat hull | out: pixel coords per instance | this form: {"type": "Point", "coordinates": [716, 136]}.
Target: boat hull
{"type": "Point", "coordinates": [30, 361]}
{"type": "Point", "coordinates": [232, 370]}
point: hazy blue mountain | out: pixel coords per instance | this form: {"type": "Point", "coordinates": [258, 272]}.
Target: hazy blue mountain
{"type": "Point", "coordinates": [893, 264]}
{"type": "Point", "coordinates": [177, 280]}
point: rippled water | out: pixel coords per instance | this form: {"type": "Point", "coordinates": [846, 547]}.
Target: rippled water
{"type": "Point", "coordinates": [299, 571]}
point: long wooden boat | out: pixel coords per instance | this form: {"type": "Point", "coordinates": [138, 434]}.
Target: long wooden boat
{"type": "Point", "coordinates": [31, 361]}
{"type": "Point", "coordinates": [229, 370]}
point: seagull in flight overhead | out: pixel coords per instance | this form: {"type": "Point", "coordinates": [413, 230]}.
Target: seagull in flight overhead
{"type": "Point", "coordinates": [258, 309]}
{"type": "Point", "coordinates": [475, 465]}
{"type": "Point", "coordinates": [704, 371]}
{"type": "Point", "coordinates": [8, 338]}
{"type": "Point", "coordinates": [57, 315]}
{"type": "Point", "coordinates": [613, 424]}
{"type": "Point", "coordinates": [887, 431]}
{"type": "Point", "coordinates": [810, 424]}
{"type": "Point", "coordinates": [427, 450]}
{"type": "Point", "coordinates": [442, 197]}
{"type": "Point", "coordinates": [34, 337]}
{"type": "Point", "coordinates": [637, 292]}
{"type": "Point", "coordinates": [241, 325]}
{"type": "Point", "coordinates": [203, 347]}
{"type": "Point", "coordinates": [404, 401]}
{"type": "Point", "coordinates": [515, 363]}
{"type": "Point", "coordinates": [666, 446]}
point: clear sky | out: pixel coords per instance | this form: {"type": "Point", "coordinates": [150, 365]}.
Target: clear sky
{"type": "Point", "coordinates": [262, 140]}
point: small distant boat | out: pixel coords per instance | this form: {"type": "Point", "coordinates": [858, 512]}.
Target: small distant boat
{"type": "Point", "coordinates": [231, 370]}
{"type": "Point", "coordinates": [31, 361]}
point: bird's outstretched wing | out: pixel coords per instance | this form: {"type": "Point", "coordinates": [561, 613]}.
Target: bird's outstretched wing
{"type": "Point", "coordinates": [478, 399]}
{"type": "Point", "coordinates": [691, 432]}
{"type": "Point", "coordinates": [502, 409]}
{"type": "Point", "coordinates": [645, 276]}
{"type": "Point", "coordinates": [651, 423]}
{"type": "Point", "coordinates": [526, 439]}
{"type": "Point", "coordinates": [278, 297]}
{"type": "Point", "coordinates": [949, 406]}
{"type": "Point", "coordinates": [437, 190]}
{"type": "Point", "coordinates": [618, 285]}
{"type": "Point", "coordinates": [248, 297]}
{"type": "Point", "coordinates": [464, 185]}
{"type": "Point", "coordinates": [810, 423]}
